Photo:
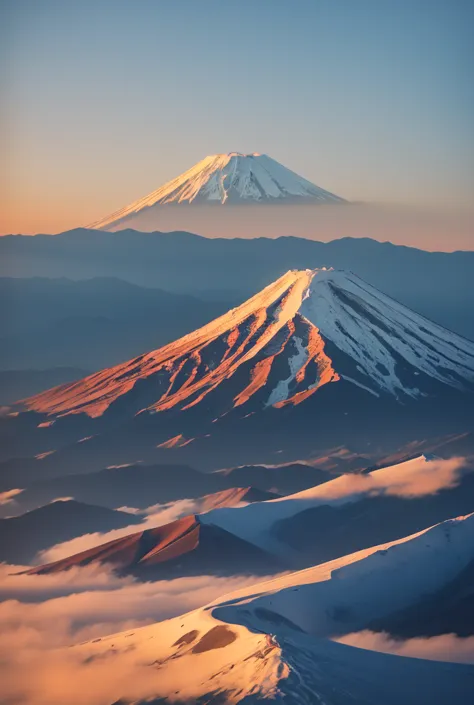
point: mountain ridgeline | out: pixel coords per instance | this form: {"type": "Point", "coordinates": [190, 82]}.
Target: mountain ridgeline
{"type": "Point", "coordinates": [436, 284]}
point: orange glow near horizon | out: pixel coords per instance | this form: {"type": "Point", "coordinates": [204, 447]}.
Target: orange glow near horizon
{"type": "Point", "coordinates": [424, 228]}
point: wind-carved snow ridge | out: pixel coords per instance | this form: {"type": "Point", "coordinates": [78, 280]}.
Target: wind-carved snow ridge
{"type": "Point", "coordinates": [228, 178]}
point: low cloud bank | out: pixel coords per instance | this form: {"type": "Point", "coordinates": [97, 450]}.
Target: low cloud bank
{"type": "Point", "coordinates": [415, 478]}
{"type": "Point", "coordinates": [445, 647]}
{"type": "Point", "coordinates": [60, 676]}
{"type": "Point", "coordinates": [15, 585]}
{"type": "Point", "coordinates": [42, 614]}
{"type": "Point", "coordinates": [86, 595]}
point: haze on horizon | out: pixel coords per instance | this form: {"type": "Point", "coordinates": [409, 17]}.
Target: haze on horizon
{"type": "Point", "coordinates": [371, 101]}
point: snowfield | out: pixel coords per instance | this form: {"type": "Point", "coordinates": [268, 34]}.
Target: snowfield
{"type": "Point", "coordinates": [347, 593]}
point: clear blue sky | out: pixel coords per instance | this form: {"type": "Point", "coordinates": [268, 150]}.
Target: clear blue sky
{"type": "Point", "coordinates": [107, 99]}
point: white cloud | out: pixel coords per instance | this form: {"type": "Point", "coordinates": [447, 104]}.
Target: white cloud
{"type": "Point", "coordinates": [445, 647]}
{"type": "Point", "coordinates": [415, 478]}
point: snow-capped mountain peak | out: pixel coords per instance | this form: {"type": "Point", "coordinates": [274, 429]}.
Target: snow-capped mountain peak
{"type": "Point", "coordinates": [227, 178]}
{"type": "Point", "coordinates": [307, 329]}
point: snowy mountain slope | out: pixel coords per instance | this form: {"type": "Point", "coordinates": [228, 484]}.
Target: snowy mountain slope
{"type": "Point", "coordinates": [449, 610]}
{"type": "Point", "coordinates": [347, 593]}
{"type": "Point", "coordinates": [416, 478]}
{"type": "Point", "coordinates": [227, 178]}
{"type": "Point", "coordinates": [377, 332]}
{"type": "Point", "coordinates": [228, 663]}
{"type": "Point", "coordinates": [268, 642]}
{"type": "Point", "coordinates": [307, 329]}
{"type": "Point", "coordinates": [299, 530]}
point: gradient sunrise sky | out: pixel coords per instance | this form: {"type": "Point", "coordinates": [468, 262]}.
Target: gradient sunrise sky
{"type": "Point", "coordinates": [106, 100]}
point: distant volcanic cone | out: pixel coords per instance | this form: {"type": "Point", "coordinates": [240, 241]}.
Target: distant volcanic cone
{"type": "Point", "coordinates": [220, 179]}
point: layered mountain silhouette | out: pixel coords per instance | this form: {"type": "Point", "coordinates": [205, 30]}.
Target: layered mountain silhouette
{"type": "Point", "coordinates": [439, 285]}
{"type": "Point", "coordinates": [183, 547]}
{"type": "Point", "coordinates": [141, 486]}
{"type": "Point", "coordinates": [319, 524]}
{"type": "Point", "coordinates": [22, 537]}
{"type": "Point", "coordinates": [51, 323]}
